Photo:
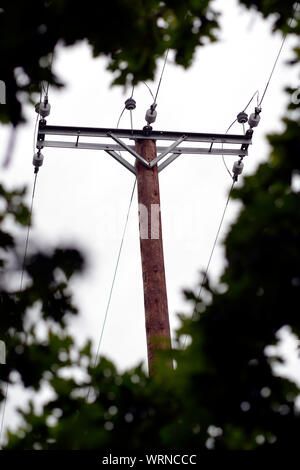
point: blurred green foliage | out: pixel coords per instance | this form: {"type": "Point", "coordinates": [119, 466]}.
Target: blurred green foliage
{"type": "Point", "coordinates": [223, 393]}
{"type": "Point", "coordinates": [114, 29]}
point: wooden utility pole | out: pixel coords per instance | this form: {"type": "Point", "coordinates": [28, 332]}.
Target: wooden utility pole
{"type": "Point", "coordinates": [154, 280]}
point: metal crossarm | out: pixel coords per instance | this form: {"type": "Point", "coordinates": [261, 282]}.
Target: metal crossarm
{"type": "Point", "coordinates": [239, 143]}
{"type": "Point", "coordinates": [140, 134]}
{"type": "Point", "coordinates": [118, 148]}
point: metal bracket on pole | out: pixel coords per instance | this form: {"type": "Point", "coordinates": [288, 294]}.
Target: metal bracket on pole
{"type": "Point", "coordinates": [167, 150]}
{"type": "Point", "coordinates": [122, 161]}
{"type": "Point", "coordinates": [83, 136]}
{"type": "Point", "coordinates": [168, 161]}
{"type": "Point", "coordinates": [130, 150]}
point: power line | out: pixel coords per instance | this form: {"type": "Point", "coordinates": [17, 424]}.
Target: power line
{"type": "Point", "coordinates": [211, 255]}
{"type": "Point", "coordinates": [228, 129]}
{"type": "Point", "coordinates": [21, 283]}
{"type": "Point", "coordinates": [256, 93]}
{"type": "Point", "coordinates": [275, 63]}
{"type": "Point", "coordinates": [226, 205]}
{"type": "Point", "coordinates": [113, 281]}
{"type": "Point", "coordinates": [267, 84]}
{"type": "Point", "coordinates": [122, 112]}
{"type": "Point", "coordinates": [230, 126]}
{"type": "Point", "coordinates": [42, 89]}
{"type": "Point", "coordinates": [115, 271]}
{"type": "Point", "coordinates": [119, 252]}
{"type": "Point", "coordinates": [28, 232]}
{"type": "Point", "coordinates": [150, 91]}
{"type": "Point", "coordinates": [278, 55]}
{"type": "Point", "coordinates": [51, 63]}
{"type": "Point", "coordinates": [161, 76]}
{"type": "Point", "coordinates": [151, 112]}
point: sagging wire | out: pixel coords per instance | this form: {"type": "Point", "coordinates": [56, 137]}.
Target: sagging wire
{"type": "Point", "coordinates": [253, 121]}
{"type": "Point", "coordinates": [161, 76]}
{"type": "Point", "coordinates": [151, 113]}
{"type": "Point", "coordinates": [130, 105]}
{"type": "Point", "coordinates": [120, 117]}
{"type": "Point", "coordinates": [237, 169]}
{"type": "Point", "coordinates": [255, 115]}
{"type": "Point", "coordinates": [278, 55]}
{"type": "Point", "coordinates": [242, 118]}
{"type": "Point", "coordinates": [198, 299]}
{"type": "Point", "coordinates": [12, 138]}
{"type": "Point", "coordinates": [39, 159]}
{"type": "Point", "coordinates": [113, 281]}
{"type": "Point", "coordinates": [257, 99]}
{"type": "Point", "coordinates": [150, 91]}
{"type": "Point", "coordinates": [228, 129]}
{"type": "Point", "coordinates": [28, 232]}
{"type": "Point", "coordinates": [42, 109]}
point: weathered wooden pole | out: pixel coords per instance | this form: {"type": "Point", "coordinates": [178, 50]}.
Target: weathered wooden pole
{"type": "Point", "coordinates": [154, 280]}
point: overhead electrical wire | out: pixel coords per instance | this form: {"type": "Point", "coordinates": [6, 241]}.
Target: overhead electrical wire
{"type": "Point", "coordinates": [114, 278]}
{"type": "Point", "coordinates": [118, 256]}
{"type": "Point", "coordinates": [233, 122]}
{"type": "Point", "coordinates": [259, 102]}
{"type": "Point", "coordinates": [257, 97]}
{"type": "Point", "coordinates": [215, 241]}
{"type": "Point", "coordinates": [24, 257]}
{"type": "Point", "coordinates": [228, 129]}
{"type": "Point", "coordinates": [227, 202]}
{"type": "Point", "coordinates": [278, 55]}
{"type": "Point", "coordinates": [150, 91]}
{"type": "Point", "coordinates": [128, 212]}
{"type": "Point", "coordinates": [28, 232]}
{"type": "Point", "coordinates": [210, 256]}
{"type": "Point", "coordinates": [151, 113]}
{"type": "Point", "coordinates": [122, 112]}
{"type": "Point", "coordinates": [161, 76]}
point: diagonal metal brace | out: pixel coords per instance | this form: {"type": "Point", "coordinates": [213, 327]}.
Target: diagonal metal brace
{"type": "Point", "coordinates": [167, 150]}
{"type": "Point", "coordinates": [121, 160]}
{"type": "Point", "coordinates": [130, 150]}
{"type": "Point", "coordinates": [167, 162]}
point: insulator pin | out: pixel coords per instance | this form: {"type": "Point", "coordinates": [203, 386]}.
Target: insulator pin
{"type": "Point", "coordinates": [147, 130]}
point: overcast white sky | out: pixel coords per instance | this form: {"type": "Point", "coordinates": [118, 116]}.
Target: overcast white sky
{"type": "Point", "coordinates": [82, 196]}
